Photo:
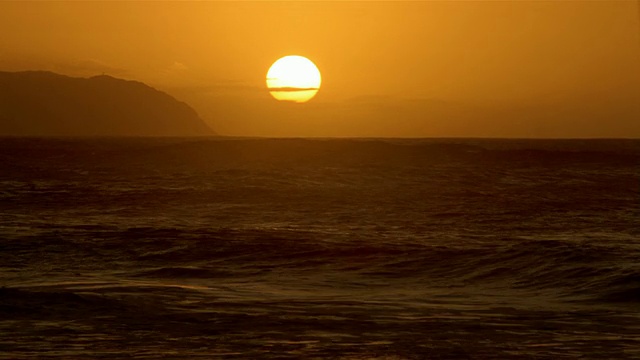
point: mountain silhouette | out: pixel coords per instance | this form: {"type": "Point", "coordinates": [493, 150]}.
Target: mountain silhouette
{"type": "Point", "coordinates": [40, 103]}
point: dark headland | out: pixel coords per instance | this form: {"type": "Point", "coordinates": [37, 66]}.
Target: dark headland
{"type": "Point", "coordinates": [40, 103]}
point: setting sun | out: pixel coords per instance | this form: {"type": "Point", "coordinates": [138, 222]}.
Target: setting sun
{"type": "Point", "coordinates": [293, 78]}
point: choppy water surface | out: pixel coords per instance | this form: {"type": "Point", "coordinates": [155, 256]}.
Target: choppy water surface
{"type": "Point", "coordinates": [354, 249]}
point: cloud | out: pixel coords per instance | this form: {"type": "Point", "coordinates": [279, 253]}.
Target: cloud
{"type": "Point", "coordinates": [73, 67]}
{"type": "Point", "coordinates": [219, 87]}
{"type": "Point", "coordinates": [173, 74]}
{"type": "Point", "coordinates": [178, 66]}
{"type": "Point", "coordinates": [288, 89]}
{"type": "Point", "coordinates": [176, 69]}
{"type": "Point", "coordinates": [88, 67]}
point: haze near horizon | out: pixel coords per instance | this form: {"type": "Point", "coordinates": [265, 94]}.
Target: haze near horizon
{"type": "Point", "coordinates": [389, 69]}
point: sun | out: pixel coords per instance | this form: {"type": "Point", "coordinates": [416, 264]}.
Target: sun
{"type": "Point", "coordinates": [293, 78]}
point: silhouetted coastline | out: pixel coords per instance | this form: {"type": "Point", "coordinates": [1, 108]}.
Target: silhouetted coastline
{"type": "Point", "coordinates": [40, 103]}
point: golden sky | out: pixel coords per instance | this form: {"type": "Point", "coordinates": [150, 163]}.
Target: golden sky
{"type": "Point", "coordinates": [399, 69]}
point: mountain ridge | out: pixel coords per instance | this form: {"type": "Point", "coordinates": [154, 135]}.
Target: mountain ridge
{"type": "Point", "coordinates": [43, 103]}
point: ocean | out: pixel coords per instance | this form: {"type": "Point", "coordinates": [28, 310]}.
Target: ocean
{"type": "Point", "coordinates": [202, 248]}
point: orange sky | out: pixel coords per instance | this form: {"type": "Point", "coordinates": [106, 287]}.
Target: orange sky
{"type": "Point", "coordinates": [468, 68]}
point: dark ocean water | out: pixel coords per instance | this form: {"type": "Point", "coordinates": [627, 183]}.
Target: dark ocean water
{"type": "Point", "coordinates": [345, 249]}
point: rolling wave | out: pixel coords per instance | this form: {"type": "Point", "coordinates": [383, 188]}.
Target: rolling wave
{"type": "Point", "coordinates": [568, 269]}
